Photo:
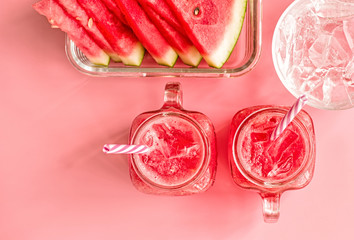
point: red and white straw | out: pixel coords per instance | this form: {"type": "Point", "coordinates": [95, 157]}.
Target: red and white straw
{"type": "Point", "coordinates": [289, 116]}
{"type": "Point", "coordinates": [124, 149]}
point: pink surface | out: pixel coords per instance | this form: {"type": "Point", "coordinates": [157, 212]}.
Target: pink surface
{"type": "Point", "coordinates": [55, 182]}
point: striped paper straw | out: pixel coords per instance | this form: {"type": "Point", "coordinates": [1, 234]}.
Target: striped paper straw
{"type": "Point", "coordinates": [124, 149]}
{"type": "Point", "coordinates": [289, 116]}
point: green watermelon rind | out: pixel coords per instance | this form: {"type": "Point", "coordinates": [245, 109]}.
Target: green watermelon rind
{"type": "Point", "coordinates": [191, 53]}
{"type": "Point", "coordinates": [103, 59]}
{"type": "Point", "coordinates": [171, 60]}
{"type": "Point", "coordinates": [138, 20]}
{"type": "Point", "coordinates": [136, 57]}
{"type": "Point", "coordinates": [241, 11]}
{"type": "Point", "coordinates": [189, 56]}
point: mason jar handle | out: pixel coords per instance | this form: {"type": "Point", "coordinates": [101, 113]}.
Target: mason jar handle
{"type": "Point", "coordinates": [173, 95]}
{"type": "Point", "coordinates": [271, 204]}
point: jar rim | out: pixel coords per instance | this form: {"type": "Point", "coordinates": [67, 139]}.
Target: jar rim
{"type": "Point", "coordinates": [204, 162]}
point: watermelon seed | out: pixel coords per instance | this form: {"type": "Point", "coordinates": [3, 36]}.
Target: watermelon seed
{"type": "Point", "coordinates": [52, 22]}
{"type": "Point", "coordinates": [90, 23]}
{"type": "Point", "coordinates": [196, 11]}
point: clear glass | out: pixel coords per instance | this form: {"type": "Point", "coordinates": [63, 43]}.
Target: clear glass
{"type": "Point", "coordinates": [270, 168]}
{"type": "Point", "coordinates": [243, 59]}
{"type": "Point", "coordinates": [313, 52]}
{"type": "Point", "coordinates": [182, 156]}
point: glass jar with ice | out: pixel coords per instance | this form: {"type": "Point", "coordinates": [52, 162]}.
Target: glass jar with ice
{"type": "Point", "coordinates": [271, 166]}
{"type": "Point", "coordinates": [181, 159]}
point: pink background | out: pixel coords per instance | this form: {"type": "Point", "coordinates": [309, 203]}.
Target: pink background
{"type": "Point", "coordinates": [55, 183]}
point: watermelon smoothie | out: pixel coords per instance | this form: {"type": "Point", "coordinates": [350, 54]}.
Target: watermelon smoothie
{"type": "Point", "coordinates": [271, 167]}
{"type": "Point", "coordinates": [182, 151]}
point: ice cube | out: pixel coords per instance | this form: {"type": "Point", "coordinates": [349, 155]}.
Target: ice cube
{"type": "Point", "coordinates": [334, 88]}
{"type": "Point", "coordinates": [350, 90]}
{"type": "Point", "coordinates": [327, 89]}
{"type": "Point", "coordinates": [283, 142]}
{"type": "Point", "coordinates": [289, 24]}
{"type": "Point", "coordinates": [257, 149]}
{"type": "Point", "coordinates": [328, 26]}
{"type": "Point", "coordinates": [349, 72]}
{"type": "Point", "coordinates": [161, 129]}
{"type": "Point", "coordinates": [193, 151]}
{"type": "Point", "coordinates": [317, 52]}
{"type": "Point", "coordinates": [339, 52]}
{"type": "Point", "coordinates": [261, 165]}
{"type": "Point", "coordinates": [317, 93]}
{"type": "Point", "coordinates": [298, 75]}
{"type": "Point", "coordinates": [259, 136]}
{"type": "Point", "coordinates": [282, 154]}
{"type": "Point", "coordinates": [330, 49]}
{"type": "Point", "coordinates": [310, 84]}
{"type": "Point", "coordinates": [282, 167]}
{"type": "Point", "coordinates": [348, 29]}
{"type": "Point", "coordinates": [334, 9]}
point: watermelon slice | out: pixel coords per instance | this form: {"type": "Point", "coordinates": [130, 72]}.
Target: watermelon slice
{"type": "Point", "coordinates": [164, 11]}
{"type": "Point", "coordinates": [112, 6]}
{"type": "Point", "coordinates": [119, 36]}
{"type": "Point", "coordinates": [147, 33]}
{"type": "Point", "coordinates": [57, 17]}
{"type": "Point", "coordinates": [212, 25]}
{"type": "Point", "coordinates": [180, 43]}
{"type": "Point", "coordinates": [73, 8]}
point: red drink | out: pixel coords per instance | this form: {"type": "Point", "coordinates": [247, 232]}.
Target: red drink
{"type": "Point", "coordinates": [176, 151]}
{"type": "Point", "coordinates": [182, 152]}
{"type": "Point", "coordinates": [270, 160]}
{"type": "Point", "coordinates": [271, 167]}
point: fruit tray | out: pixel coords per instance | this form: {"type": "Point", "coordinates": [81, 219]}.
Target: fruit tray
{"type": "Point", "coordinates": [243, 58]}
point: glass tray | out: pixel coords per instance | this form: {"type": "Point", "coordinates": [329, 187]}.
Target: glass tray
{"type": "Point", "coordinates": [243, 58]}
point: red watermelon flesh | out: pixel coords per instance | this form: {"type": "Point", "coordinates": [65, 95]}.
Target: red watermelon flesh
{"type": "Point", "coordinates": [57, 17]}
{"type": "Point", "coordinates": [112, 6]}
{"type": "Point", "coordinates": [119, 36]}
{"type": "Point", "coordinates": [164, 11]}
{"type": "Point", "coordinates": [147, 33]}
{"type": "Point", "coordinates": [212, 25]}
{"type": "Point", "coordinates": [73, 8]}
{"type": "Point", "coordinates": [180, 43]}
